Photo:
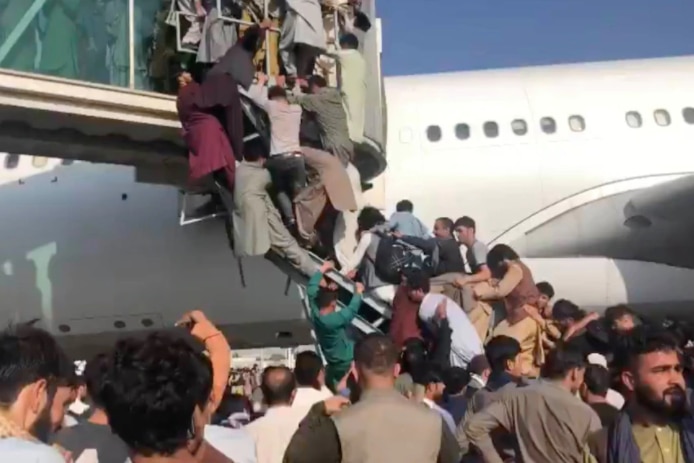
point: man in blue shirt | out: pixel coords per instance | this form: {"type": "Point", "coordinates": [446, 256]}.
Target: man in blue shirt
{"type": "Point", "coordinates": [404, 221]}
{"type": "Point", "coordinates": [331, 324]}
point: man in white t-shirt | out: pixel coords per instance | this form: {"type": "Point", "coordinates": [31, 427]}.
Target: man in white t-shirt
{"type": "Point", "coordinates": [310, 381]}
{"type": "Point", "coordinates": [273, 432]}
{"type": "Point", "coordinates": [465, 342]}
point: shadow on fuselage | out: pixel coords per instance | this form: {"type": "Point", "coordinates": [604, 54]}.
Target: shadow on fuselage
{"type": "Point", "coordinates": [98, 254]}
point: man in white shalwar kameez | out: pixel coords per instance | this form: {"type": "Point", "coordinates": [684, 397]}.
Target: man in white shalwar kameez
{"type": "Point", "coordinates": [302, 36]}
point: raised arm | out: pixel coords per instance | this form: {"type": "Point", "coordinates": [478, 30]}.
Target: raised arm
{"type": "Point", "coordinates": [218, 350]}
{"type": "Point", "coordinates": [345, 316]}
{"type": "Point", "coordinates": [309, 102]}
{"type": "Point", "coordinates": [313, 285]}
{"type": "Point", "coordinates": [359, 253]}
{"type": "Point", "coordinates": [427, 245]}
{"type": "Point", "coordinates": [513, 277]}
{"type": "Point", "coordinates": [258, 92]}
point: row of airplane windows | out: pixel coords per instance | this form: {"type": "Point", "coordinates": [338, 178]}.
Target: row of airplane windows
{"type": "Point", "coordinates": [549, 125]}
{"type": "Point", "coordinates": [12, 161]}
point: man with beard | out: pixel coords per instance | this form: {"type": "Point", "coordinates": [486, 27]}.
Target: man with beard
{"type": "Point", "coordinates": [655, 425]}
{"type": "Point", "coordinates": [30, 364]}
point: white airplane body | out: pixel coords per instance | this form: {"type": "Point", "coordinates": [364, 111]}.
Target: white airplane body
{"type": "Point", "coordinates": [595, 200]}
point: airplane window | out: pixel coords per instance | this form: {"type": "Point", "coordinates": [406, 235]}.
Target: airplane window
{"type": "Point", "coordinates": [662, 117]}
{"type": "Point", "coordinates": [491, 129]}
{"type": "Point", "coordinates": [11, 161]}
{"type": "Point", "coordinates": [519, 127]}
{"type": "Point", "coordinates": [548, 124]}
{"type": "Point", "coordinates": [434, 133]}
{"type": "Point", "coordinates": [462, 131]}
{"type": "Point", "coordinates": [405, 137]}
{"type": "Point", "coordinates": [688, 114]}
{"type": "Point", "coordinates": [39, 161]}
{"type": "Point", "coordinates": [577, 123]}
{"type": "Point", "coordinates": [634, 119]}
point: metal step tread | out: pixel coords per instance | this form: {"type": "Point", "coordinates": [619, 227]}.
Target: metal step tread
{"type": "Point", "coordinates": [341, 280]}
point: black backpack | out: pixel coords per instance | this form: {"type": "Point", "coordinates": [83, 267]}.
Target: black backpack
{"type": "Point", "coordinates": [393, 256]}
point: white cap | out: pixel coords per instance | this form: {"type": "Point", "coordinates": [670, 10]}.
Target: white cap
{"type": "Point", "coordinates": [597, 359]}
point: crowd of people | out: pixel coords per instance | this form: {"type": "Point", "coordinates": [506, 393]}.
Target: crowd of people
{"type": "Point", "coordinates": [167, 398]}
{"type": "Point", "coordinates": [478, 362]}
{"type": "Point", "coordinates": [90, 40]}
{"type": "Point", "coordinates": [296, 187]}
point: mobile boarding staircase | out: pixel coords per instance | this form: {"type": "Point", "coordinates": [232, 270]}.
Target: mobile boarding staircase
{"type": "Point", "coordinates": [374, 315]}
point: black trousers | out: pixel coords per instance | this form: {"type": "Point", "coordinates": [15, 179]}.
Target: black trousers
{"type": "Point", "coordinates": [288, 173]}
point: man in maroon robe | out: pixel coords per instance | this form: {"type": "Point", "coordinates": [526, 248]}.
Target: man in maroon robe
{"type": "Point", "coordinates": [209, 144]}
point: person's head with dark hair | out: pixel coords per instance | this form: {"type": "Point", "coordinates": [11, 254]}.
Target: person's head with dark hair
{"type": "Point", "coordinates": [499, 258]}
{"type": "Point", "coordinates": [368, 218]}
{"type": "Point", "coordinates": [414, 357]}
{"type": "Point", "coordinates": [32, 367]}
{"type": "Point", "coordinates": [94, 379]}
{"type": "Point", "coordinates": [404, 206]}
{"type": "Point", "coordinates": [278, 386]}
{"type": "Point", "coordinates": [326, 300]}
{"type": "Point", "coordinates": [465, 229]}
{"type": "Point", "coordinates": [156, 393]}
{"type": "Point", "coordinates": [504, 356]}
{"type": "Point", "coordinates": [376, 362]}
{"type": "Point", "coordinates": [651, 372]}
{"type": "Point", "coordinates": [418, 285]}
{"type": "Point", "coordinates": [349, 41]}
{"type": "Point", "coordinates": [316, 83]}
{"type": "Point", "coordinates": [309, 370]}
{"type": "Point", "coordinates": [433, 382]}
{"type": "Point", "coordinates": [596, 383]}
{"type": "Point", "coordinates": [443, 227]}
{"type": "Point", "coordinates": [546, 294]}
{"type": "Point", "coordinates": [234, 411]}
{"type": "Point", "coordinates": [479, 368]}
{"type": "Point", "coordinates": [252, 39]}
{"type": "Point", "coordinates": [566, 366]}
{"type": "Point", "coordinates": [620, 318]}
{"type": "Point", "coordinates": [254, 151]}
{"type": "Point", "coordinates": [455, 379]}
{"type": "Point", "coordinates": [276, 93]}
{"type": "Point", "coordinates": [565, 313]}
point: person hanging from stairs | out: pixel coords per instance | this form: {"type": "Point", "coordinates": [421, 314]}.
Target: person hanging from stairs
{"type": "Point", "coordinates": [257, 225]}
{"type": "Point", "coordinates": [302, 208]}
{"type": "Point", "coordinates": [211, 150]}
{"type": "Point", "coordinates": [217, 94]}
{"type": "Point", "coordinates": [325, 105]}
{"type": "Point", "coordinates": [286, 162]}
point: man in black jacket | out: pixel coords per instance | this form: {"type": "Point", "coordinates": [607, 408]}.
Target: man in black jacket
{"type": "Point", "coordinates": [443, 247]}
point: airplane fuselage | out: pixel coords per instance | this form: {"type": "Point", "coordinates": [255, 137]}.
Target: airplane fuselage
{"type": "Point", "coordinates": [545, 159]}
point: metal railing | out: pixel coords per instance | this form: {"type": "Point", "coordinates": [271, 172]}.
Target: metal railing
{"type": "Point", "coordinates": [181, 48]}
{"type": "Point", "coordinates": [20, 28]}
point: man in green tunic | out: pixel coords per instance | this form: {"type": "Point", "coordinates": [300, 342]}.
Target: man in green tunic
{"type": "Point", "coordinates": [331, 325]}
